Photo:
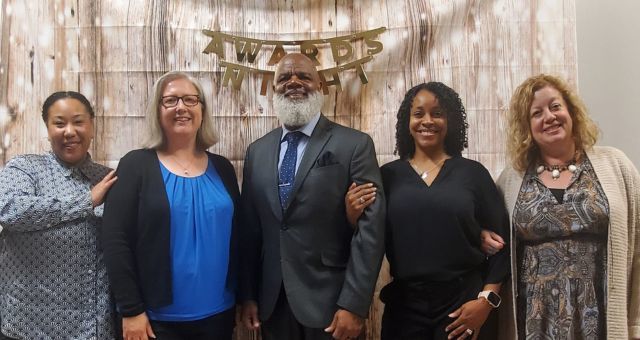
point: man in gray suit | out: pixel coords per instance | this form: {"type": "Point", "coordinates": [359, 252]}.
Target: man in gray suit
{"type": "Point", "coordinates": [306, 272]}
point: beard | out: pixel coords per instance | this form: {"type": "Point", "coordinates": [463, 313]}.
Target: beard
{"type": "Point", "coordinates": [297, 113]}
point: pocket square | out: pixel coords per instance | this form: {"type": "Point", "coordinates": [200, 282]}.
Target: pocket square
{"type": "Point", "coordinates": [326, 159]}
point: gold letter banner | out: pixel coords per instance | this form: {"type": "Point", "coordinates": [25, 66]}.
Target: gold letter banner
{"type": "Point", "coordinates": [252, 46]}
{"type": "Point", "coordinates": [234, 74]}
{"type": "Point", "coordinates": [249, 48]}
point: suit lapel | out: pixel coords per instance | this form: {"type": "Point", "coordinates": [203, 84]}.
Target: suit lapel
{"type": "Point", "coordinates": [320, 136]}
{"type": "Point", "coordinates": [273, 155]}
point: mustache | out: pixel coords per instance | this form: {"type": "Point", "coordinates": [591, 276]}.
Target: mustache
{"type": "Point", "coordinates": [294, 91]}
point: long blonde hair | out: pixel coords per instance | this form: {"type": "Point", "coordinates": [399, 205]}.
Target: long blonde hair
{"type": "Point", "coordinates": [206, 135]}
{"type": "Point", "coordinates": [521, 147]}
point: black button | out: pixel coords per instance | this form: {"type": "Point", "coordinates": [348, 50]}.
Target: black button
{"type": "Point", "coordinates": [284, 227]}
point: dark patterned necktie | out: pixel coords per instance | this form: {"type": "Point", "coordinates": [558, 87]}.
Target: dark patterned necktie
{"type": "Point", "coordinates": [288, 166]}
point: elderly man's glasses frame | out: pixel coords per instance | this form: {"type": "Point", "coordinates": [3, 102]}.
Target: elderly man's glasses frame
{"type": "Point", "coordinates": [172, 101]}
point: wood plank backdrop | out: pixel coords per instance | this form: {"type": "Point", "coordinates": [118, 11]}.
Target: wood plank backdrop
{"type": "Point", "coordinates": [113, 51]}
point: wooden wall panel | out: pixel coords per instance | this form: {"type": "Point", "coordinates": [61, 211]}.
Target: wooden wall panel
{"type": "Point", "coordinates": [113, 51]}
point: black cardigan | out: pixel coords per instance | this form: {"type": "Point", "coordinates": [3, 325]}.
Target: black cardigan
{"type": "Point", "coordinates": [136, 232]}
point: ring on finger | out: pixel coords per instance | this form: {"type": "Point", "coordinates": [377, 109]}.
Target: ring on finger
{"type": "Point", "coordinates": [469, 331]}
{"type": "Point", "coordinates": [361, 200]}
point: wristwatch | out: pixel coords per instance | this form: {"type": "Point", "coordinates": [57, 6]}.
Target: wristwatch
{"type": "Point", "coordinates": [492, 298]}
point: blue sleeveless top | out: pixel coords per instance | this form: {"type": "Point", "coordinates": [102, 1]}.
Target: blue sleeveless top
{"type": "Point", "coordinates": [201, 217]}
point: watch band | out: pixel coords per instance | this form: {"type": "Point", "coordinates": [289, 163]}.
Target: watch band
{"type": "Point", "coordinates": [492, 298]}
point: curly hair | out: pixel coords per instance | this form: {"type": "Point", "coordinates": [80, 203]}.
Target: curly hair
{"type": "Point", "coordinates": [521, 147]}
{"type": "Point", "coordinates": [449, 101]}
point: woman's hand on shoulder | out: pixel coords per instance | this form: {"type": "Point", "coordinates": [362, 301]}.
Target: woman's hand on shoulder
{"type": "Point", "coordinates": [490, 242]}
{"type": "Point", "coordinates": [99, 191]}
{"type": "Point", "coordinates": [357, 199]}
{"type": "Point", "coordinates": [137, 328]}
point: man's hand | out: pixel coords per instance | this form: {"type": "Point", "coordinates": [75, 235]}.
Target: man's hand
{"type": "Point", "coordinates": [250, 315]}
{"type": "Point", "coordinates": [137, 328]}
{"type": "Point", "coordinates": [345, 325]}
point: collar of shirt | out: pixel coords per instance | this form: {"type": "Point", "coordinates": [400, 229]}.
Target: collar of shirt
{"type": "Point", "coordinates": [307, 130]}
{"type": "Point", "coordinates": [86, 167]}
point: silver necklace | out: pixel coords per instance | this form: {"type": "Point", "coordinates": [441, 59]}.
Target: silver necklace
{"type": "Point", "coordinates": [425, 174]}
{"type": "Point", "coordinates": [184, 168]}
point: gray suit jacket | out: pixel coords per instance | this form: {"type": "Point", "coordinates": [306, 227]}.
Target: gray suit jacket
{"type": "Point", "coordinates": [309, 246]}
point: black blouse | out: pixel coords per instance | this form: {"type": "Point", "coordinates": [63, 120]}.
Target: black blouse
{"type": "Point", "coordinates": [433, 232]}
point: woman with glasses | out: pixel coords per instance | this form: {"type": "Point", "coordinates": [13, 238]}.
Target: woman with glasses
{"type": "Point", "coordinates": [169, 224]}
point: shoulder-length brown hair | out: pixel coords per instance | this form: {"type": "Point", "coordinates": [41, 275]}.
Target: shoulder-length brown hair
{"type": "Point", "coordinates": [521, 148]}
{"type": "Point", "coordinates": [206, 135]}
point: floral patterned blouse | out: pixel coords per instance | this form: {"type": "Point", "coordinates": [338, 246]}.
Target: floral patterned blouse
{"type": "Point", "coordinates": [562, 257]}
{"type": "Point", "coordinates": [53, 282]}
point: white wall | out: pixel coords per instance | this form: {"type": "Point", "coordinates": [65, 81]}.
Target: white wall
{"type": "Point", "coordinates": [608, 35]}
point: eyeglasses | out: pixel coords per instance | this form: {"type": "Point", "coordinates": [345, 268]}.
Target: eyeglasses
{"type": "Point", "coordinates": [172, 101]}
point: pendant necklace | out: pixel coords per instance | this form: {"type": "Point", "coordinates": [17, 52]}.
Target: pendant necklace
{"type": "Point", "coordinates": [184, 168]}
{"type": "Point", "coordinates": [425, 174]}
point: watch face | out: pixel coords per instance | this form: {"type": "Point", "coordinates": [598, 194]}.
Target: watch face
{"type": "Point", "coordinates": [493, 299]}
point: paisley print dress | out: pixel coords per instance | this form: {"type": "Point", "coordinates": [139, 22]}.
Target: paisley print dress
{"type": "Point", "coordinates": [562, 250]}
